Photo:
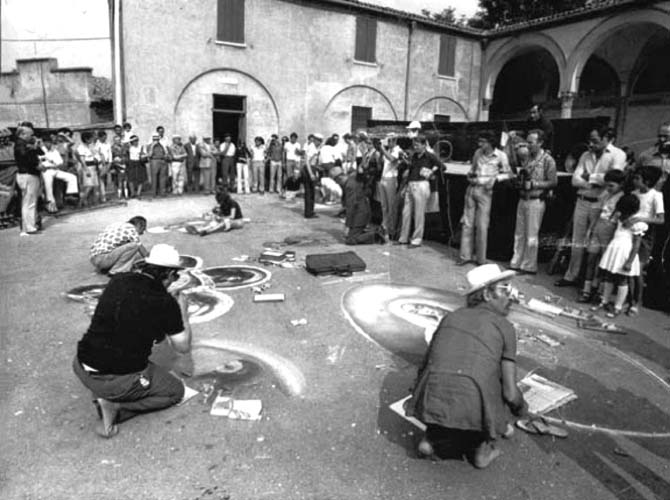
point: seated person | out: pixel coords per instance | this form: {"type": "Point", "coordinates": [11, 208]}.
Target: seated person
{"type": "Point", "coordinates": [54, 166]}
{"type": "Point", "coordinates": [134, 312]}
{"type": "Point", "coordinates": [118, 247]}
{"type": "Point", "coordinates": [226, 216]}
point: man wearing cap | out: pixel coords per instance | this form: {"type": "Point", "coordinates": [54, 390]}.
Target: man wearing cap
{"type": "Point", "coordinates": [118, 247]}
{"type": "Point", "coordinates": [178, 169]}
{"type": "Point", "coordinates": [134, 312]}
{"type": "Point", "coordinates": [158, 156]}
{"type": "Point", "coordinates": [468, 377]}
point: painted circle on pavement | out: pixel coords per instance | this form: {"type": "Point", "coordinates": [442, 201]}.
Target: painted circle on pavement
{"type": "Point", "coordinates": [234, 277]}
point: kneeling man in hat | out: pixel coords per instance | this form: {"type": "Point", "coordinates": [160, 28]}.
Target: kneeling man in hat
{"type": "Point", "coordinates": [134, 312]}
{"type": "Point", "coordinates": [468, 379]}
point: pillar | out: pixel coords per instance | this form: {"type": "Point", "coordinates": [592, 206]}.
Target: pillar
{"type": "Point", "coordinates": [567, 99]}
{"type": "Point", "coordinates": [484, 110]}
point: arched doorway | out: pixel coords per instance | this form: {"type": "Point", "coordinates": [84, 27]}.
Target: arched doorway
{"type": "Point", "coordinates": [532, 76]}
{"type": "Point", "coordinates": [351, 107]}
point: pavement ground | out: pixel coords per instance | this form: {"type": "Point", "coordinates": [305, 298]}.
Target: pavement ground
{"type": "Point", "coordinates": [326, 432]}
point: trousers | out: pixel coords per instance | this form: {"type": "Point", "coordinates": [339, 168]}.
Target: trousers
{"type": "Point", "coordinates": [178, 171]}
{"type": "Point", "coordinates": [529, 215]}
{"type": "Point", "coordinates": [159, 174]}
{"type": "Point", "coordinates": [387, 190]}
{"type": "Point", "coordinates": [310, 187]}
{"type": "Point", "coordinates": [207, 179]}
{"type": "Point", "coordinates": [164, 390]}
{"type": "Point", "coordinates": [414, 210]}
{"type": "Point", "coordinates": [30, 187]}
{"type": "Point", "coordinates": [585, 213]}
{"type": "Point", "coordinates": [119, 260]}
{"type": "Point", "coordinates": [242, 178]}
{"type": "Point", "coordinates": [71, 182]}
{"type": "Point", "coordinates": [276, 176]}
{"type": "Point", "coordinates": [258, 176]}
{"type": "Point", "coordinates": [476, 216]}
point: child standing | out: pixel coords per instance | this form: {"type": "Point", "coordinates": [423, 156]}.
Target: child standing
{"type": "Point", "coordinates": [601, 233]}
{"type": "Point", "coordinates": [652, 213]}
{"type": "Point", "coordinates": [620, 259]}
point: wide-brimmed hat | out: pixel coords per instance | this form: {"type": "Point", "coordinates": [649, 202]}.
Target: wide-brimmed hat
{"type": "Point", "coordinates": [164, 256]}
{"type": "Point", "coordinates": [485, 275]}
{"type": "Point", "coordinates": [414, 124]}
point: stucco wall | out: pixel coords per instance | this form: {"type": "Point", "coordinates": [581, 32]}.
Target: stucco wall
{"type": "Point", "coordinates": [298, 57]}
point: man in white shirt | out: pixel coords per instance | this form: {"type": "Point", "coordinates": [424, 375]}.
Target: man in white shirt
{"type": "Point", "coordinates": [228, 163]}
{"type": "Point", "coordinates": [105, 153]}
{"type": "Point", "coordinates": [127, 132]}
{"type": "Point", "coordinates": [387, 188]}
{"type": "Point", "coordinates": [52, 162]}
{"type": "Point", "coordinates": [292, 154]}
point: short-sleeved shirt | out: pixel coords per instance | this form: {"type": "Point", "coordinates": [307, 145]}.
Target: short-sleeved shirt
{"type": "Point", "coordinates": [275, 151]}
{"type": "Point", "coordinates": [292, 149]}
{"type": "Point", "coordinates": [133, 313]}
{"type": "Point", "coordinates": [114, 236]}
{"type": "Point", "coordinates": [651, 204]}
{"type": "Point", "coordinates": [228, 148]}
{"type": "Point", "coordinates": [229, 210]}
{"type": "Point", "coordinates": [485, 166]}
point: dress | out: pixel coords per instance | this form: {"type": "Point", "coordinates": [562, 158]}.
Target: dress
{"type": "Point", "coordinates": [619, 249]}
{"type": "Point", "coordinates": [459, 386]}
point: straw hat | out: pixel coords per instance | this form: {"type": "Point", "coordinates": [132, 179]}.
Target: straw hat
{"type": "Point", "coordinates": [485, 275]}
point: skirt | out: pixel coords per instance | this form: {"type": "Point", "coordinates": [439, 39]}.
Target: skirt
{"type": "Point", "coordinates": [136, 172]}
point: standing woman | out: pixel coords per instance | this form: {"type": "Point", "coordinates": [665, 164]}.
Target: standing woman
{"type": "Point", "coordinates": [89, 159]}
{"type": "Point", "coordinates": [137, 174]}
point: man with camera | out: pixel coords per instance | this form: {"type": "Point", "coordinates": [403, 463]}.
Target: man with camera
{"type": "Point", "coordinates": [27, 151]}
{"type": "Point", "coordinates": [536, 176]}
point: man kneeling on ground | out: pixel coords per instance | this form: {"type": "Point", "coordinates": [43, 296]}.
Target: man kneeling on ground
{"type": "Point", "coordinates": [134, 312]}
{"type": "Point", "coordinates": [118, 247]}
{"type": "Point", "coordinates": [226, 215]}
{"type": "Point", "coordinates": [468, 376]}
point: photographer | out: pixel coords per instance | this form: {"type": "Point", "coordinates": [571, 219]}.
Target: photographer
{"type": "Point", "coordinates": [27, 155]}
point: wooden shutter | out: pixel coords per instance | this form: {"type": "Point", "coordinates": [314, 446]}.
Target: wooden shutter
{"type": "Point", "coordinates": [230, 21]}
{"type": "Point", "coordinates": [366, 39]}
{"type": "Point", "coordinates": [447, 62]}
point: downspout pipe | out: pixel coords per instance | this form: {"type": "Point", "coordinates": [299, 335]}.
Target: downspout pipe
{"type": "Point", "coordinates": [410, 27]}
{"type": "Point", "coordinates": [116, 54]}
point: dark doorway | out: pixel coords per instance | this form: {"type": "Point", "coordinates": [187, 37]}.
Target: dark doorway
{"type": "Point", "coordinates": [228, 117]}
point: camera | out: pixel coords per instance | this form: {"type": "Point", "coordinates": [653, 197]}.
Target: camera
{"type": "Point", "coordinates": [664, 148]}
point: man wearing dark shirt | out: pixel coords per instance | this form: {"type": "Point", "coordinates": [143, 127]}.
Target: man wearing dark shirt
{"type": "Point", "coordinates": [134, 312]}
{"type": "Point", "coordinates": [423, 165]}
{"type": "Point", "coordinates": [26, 155]}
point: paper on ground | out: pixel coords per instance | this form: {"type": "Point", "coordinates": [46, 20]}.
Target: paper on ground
{"type": "Point", "coordinates": [543, 395]}
{"type": "Point", "coordinates": [398, 407]}
{"type": "Point", "coordinates": [544, 308]}
{"type": "Point", "coordinates": [238, 409]}
{"type": "Point", "coordinates": [188, 394]}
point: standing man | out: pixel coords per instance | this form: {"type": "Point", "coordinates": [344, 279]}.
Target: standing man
{"type": "Point", "coordinates": [207, 164]}
{"type": "Point", "coordinates": [158, 156]}
{"type": "Point", "coordinates": [105, 165]}
{"type": "Point", "coordinates": [535, 177]}
{"type": "Point", "coordinates": [387, 189]}
{"type": "Point", "coordinates": [589, 179]}
{"type": "Point", "coordinates": [275, 153]}
{"type": "Point", "coordinates": [26, 154]}
{"type": "Point", "coordinates": [489, 165]}
{"type": "Point", "coordinates": [292, 153]}
{"type": "Point", "coordinates": [228, 163]}
{"type": "Point", "coordinates": [134, 312]}
{"type": "Point", "coordinates": [192, 164]}
{"type": "Point", "coordinates": [178, 170]}
{"type": "Point", "coordinates": [537, 120]}
{"type": "Point", "coordinates": [127, 132]}
{"type": "Point", "coordinates": [118, 247]}
{"type": "Point", "coordinates": [423, 165]}
{"type": "Point", "coordinates": [309, 173]}
{"type": "Point", "coordinates": [468, 378]}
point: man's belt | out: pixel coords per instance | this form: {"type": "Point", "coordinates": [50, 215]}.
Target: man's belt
{"type": "Point", "coordinates": [590, 199]}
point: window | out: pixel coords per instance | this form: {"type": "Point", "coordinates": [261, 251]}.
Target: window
{"type": "Point", "coordinates": [441, 118]}
{"type": "Point", "coordinates": [359, 117]}
{"type": "Point", "coordinates": [366, 39]}
{"type": "Point", "coordinates": [447, 63]}
{"type": "Point", "coordinates": [230, 103]}
{"type": "Point", "coordinates": [230, 21]}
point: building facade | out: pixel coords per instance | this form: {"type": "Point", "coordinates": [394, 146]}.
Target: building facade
{"type": "Point", "coordinates": [258, 67]}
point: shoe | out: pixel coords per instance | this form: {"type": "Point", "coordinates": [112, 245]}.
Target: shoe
{"type": "Point", "coordinates": [463, 262]}
{"type": "Point", "coordinates": [614, 312]}
{"type": "Point", "coordinates": [397, 243]}
{"type": "Point", "coordinates": [425, 449]}
{"type": "Point", "coordinates": [633, 311]}
{"type": "Point", "coordinates": [29, 233]}
{"type": "Point", "coordinates": [584, 297]}
{"type": "Point", "coordinates": [515, 269]}
{"type": "Point", "coordinates": [599, 306]}
{"type": "Point", "coordinates": [313, 216]}
{"type": "Point", "coordinates": [563, 282]}
{"type": "Point", "coordinates": [412, 245]}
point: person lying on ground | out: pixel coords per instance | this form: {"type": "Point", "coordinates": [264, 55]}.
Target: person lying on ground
{"type": "Point", "coordinates": [227, 215]}
{"type": "Point", "coordinates": [112, 361]}
{"type": "Point", "coordinates": [118, 247]}
{"type": "Point", "coordinates": [468, 378]}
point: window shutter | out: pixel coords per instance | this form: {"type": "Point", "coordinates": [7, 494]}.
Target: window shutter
{"type": "Point", "coordinates": [372, 40]}
{"type": "Point", "coordinates": [447, 61]}
{"type": "Point", "coordinates": [230, 21]}
{"type": "Point", "coordinates": [237, 18]}
{"type": "Point", "coordinates": [361, 36]}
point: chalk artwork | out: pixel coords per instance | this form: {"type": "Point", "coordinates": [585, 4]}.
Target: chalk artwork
{"type": "Point", "coordinates": [190, 261]}
{"type": "Point", "coordinates": [234, 277]}
{"type": "Point", "coordinates": [402, 320]}
{"type": "Point", "coordinates": [205, 304]}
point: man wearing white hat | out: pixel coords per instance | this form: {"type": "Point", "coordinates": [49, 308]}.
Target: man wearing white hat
{"type": "Point", "coordinates": [134, 312]}
{"type": "Point", "coordinates": [469, 373]}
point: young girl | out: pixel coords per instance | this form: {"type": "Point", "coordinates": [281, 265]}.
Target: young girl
{"type": "Point", "coordinates": [620, 260]}
{"type": "Point", "coordinates": [227, 215]}
{"type": "Point", "coordinates": [601, 233]}
{"type": "Point", "coordinates": [652, 212]}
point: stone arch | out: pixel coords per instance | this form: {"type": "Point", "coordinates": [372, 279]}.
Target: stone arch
{"type": "Point", "coordinates": [439, 101]}
{"type": "Point", "coordinates": [597, 35]}
{"type": "Point", "coordinates": [515, 46]}
{"type": "Point", "coordinates": [337, 112]}
{"type": "Point", "coordinates": [192, 109]}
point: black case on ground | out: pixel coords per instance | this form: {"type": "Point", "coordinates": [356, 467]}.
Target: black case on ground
{"type": "Point", "coordinates": [342, 264]}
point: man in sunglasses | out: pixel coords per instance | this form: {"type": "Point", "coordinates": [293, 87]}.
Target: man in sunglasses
{"type": "Point", "coordinates": [134, 312]}
{"type": "Point", "coordinates": [468, 376]}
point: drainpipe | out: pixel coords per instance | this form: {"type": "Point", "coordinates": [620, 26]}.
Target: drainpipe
{"type": "Point", "coordinates": [482, 84]}
{"type": "Point", "coordinates": [116, 55]}
{"type": "Point", "coordinates": [410, 27]}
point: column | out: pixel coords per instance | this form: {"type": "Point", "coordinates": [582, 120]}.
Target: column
{"type": "Point", "coordinates": [567, 99]}
{"type": "Point", "coordinates": [484, 110]}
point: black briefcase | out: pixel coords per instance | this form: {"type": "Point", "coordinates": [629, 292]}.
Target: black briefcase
{"type": "Point", "coordinates": [341, 264]}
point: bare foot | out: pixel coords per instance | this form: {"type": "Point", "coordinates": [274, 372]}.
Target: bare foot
{"type": "Point", "coordinates": [484, 455]}
{"type": "Point", "coordinates": [425, 449]}
{"type": "Point", "coordinates": [108, 428]}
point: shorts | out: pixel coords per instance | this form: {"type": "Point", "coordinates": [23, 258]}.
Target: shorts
{"type": "Point", "coordinates": [602, 234]}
